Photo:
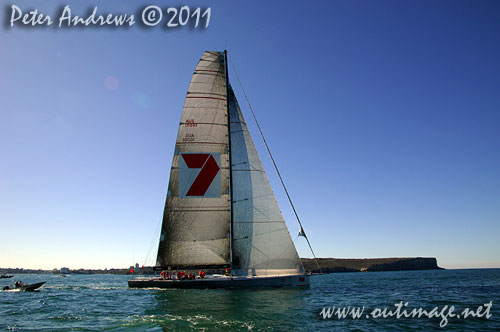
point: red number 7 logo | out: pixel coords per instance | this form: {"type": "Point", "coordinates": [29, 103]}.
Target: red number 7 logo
{"type": "Point", "coordinates": [209, 170]}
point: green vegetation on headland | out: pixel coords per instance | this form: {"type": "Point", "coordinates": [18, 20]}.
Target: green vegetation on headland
{"type": "Point", "coordinates": [331, 265]}
{"type": "Point", "coordinates": [328, 265]}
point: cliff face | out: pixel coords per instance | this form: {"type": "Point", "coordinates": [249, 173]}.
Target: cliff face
{"type": "Point", "coordinates": [330, 265]}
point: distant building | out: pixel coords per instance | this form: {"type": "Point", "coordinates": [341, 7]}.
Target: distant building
{"type": "Point", "coordinates": [64, 270]}
{"type": "Point", "coordinates": [136, 265]}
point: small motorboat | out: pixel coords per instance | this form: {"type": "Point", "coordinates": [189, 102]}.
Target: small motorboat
{"type": "Point", "coordinates": [31, 287]}
{"type": "Point", "coordinates": [6, 276]}
{"type": "Point", "coordinates": [19, 286]}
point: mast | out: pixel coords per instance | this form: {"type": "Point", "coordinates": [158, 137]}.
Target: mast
{"type": "Point", "coordinates": [230, 163]}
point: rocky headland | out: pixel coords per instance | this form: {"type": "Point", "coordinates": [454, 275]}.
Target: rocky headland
{"type": "Point", "coordinates": [332, 265]}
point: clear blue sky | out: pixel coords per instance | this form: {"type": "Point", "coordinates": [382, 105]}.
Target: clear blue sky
{"type": "Point", "coordinates": [384, 117]}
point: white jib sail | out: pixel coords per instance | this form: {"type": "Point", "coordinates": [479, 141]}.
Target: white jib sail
{"type": "Point", "coordinates": [262, 244]}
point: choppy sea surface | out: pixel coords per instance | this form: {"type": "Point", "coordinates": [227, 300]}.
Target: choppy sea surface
{"type": "Point", "coordinates": [105, 303]}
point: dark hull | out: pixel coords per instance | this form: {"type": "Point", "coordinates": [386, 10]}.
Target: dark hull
{"type": "Point", "coordinates": [31, 287]}
{"type": "Point", "coordinates": [223, 282]}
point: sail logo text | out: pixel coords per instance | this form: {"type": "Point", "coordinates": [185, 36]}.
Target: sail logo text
{"type": "Point", "coordinates": [199, 175]}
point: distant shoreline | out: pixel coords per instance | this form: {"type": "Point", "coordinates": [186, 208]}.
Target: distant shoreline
{"type": "Point", "coordinates": [77, 271]}
{"type": "Point", "coordinates": [327, 265]}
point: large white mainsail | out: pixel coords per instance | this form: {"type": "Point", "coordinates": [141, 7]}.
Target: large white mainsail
{"type": "Point", "coordinates": [196, 224]}
{"type": "Point", "coordinates": [195, 229]}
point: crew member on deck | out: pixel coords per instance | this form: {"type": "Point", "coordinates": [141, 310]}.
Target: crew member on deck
{"type": "Point", "coordinates": [201, 274]}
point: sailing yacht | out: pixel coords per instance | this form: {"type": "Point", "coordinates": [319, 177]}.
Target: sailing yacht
{"type": "Point", "coordinates": [220, 211]}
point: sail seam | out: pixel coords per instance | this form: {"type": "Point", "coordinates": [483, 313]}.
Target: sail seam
{"type": "Point", "coordinates": [258, 222]}
{"type": "Point", "coordinates": [253, 198]}
{"type": "Point", "coordinates": [223, 99]}
{"type": "Point", "coordinates": [208, 74]}
{"type": "Point", "coordinates": [197, 210]}
{"type": "Point", "coordinates": [205, 123]}
{"type": "Point", "coordinates": [176, 167]}
{"type": "Point", "coordinates": [187, 207]}
{"type": "Point", "coordinates": [204, 108]}
{"type": "Point", "coordinates": [201, 143]}
{"type": "Point", "coordinates": [206, 93]}
{"type": "Point", "coordinates": [211, 71]}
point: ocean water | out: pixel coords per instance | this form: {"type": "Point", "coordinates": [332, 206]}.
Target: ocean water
{"type": "Point", "coordinates": [105, 303]}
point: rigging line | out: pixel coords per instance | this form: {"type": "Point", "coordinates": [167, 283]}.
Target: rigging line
{"type": "Point", "coordinates": [152, 241]}
{"type": "Point", "coordinates": [149, 257]}
{"type": "Point", "coordinates": [274, 163]}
